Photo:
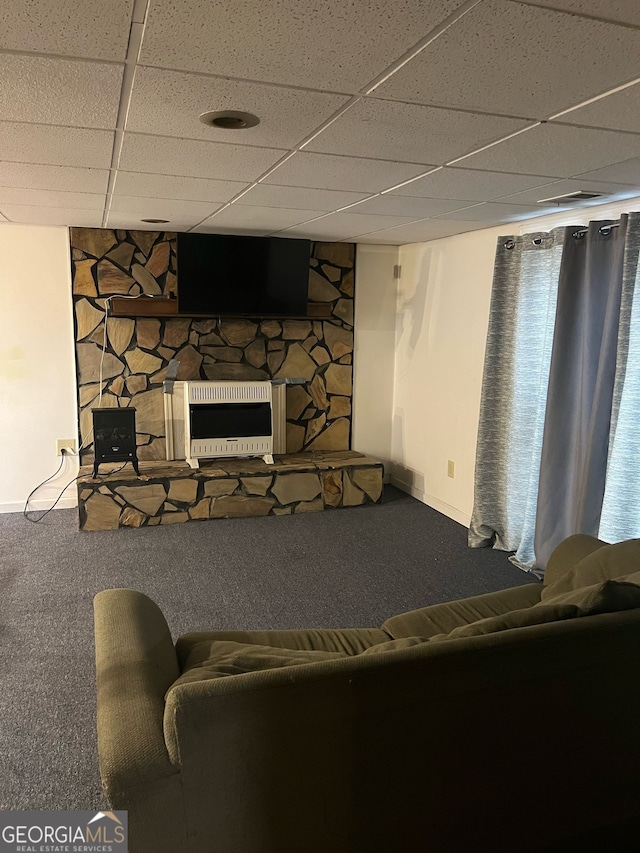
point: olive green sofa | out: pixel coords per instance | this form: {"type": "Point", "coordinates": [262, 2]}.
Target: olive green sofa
{"type": "Point", "coordinates": [504, 722]}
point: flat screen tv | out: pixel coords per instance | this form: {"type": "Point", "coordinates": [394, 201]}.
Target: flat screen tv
{"type": "Point", "coordinates": [224, 274]}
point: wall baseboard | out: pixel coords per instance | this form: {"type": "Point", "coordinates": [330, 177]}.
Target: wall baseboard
{"type": "Point", "coordinates": [435, 503]}
{"type": "Point", "coordinates": [39, 505]}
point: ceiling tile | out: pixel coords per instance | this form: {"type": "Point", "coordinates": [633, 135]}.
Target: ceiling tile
{"type": "Point", "coordinates": [52, 198]}
{"type": "Point", "coordinates": [494, 211]}
{"type": "Point", "coordinates": [212, 228]}
{"type": "Point", "coordinates": [623, 11]}
{"type": "Point", "coordinates": [472, 184]}
{"type": "Point", "coordinates": [192, 158]}
{"type": "Point", "coordinates": [393, 205]}
{"type": "Point", "coordinates": [565, 187]}
{"type": "Point", "coordinates": [410, 132]}
{"type": "Point", "coordinates": [168, 103]}
{"type": "Point", "coordinates": [330, 45]}
{"type": "Point", "coordinates": [36, 215]}
{"type": "Point", "coordinates": [317, 231]}
{"type": "Point", "coordinates": [66, 178]}
{"type": "Point", "coordinates": [620, 111]}
{"type": "Point", "coordinates": [349, 224]}
{"type": "Point", "coordinates": [626, 172]}
{"type": "Point", "coordinates": [75, 27]}
{"type": "Point", "coordinates": [270, 195]}
{"type": "Point", "coordinates": [59, 91]}
{"type": "Point", "coordinates": [557, 150]}
{"type": "Point", "coordinates": [127, 220]}
{"type": "Point", "coordinates": [418, 232]}
{"type": "Point", "coordinates": [329, 171]}
{"type": "Point", "coordinates": [169, 186]}
{"type": "Point", "coordinates": [268, 218]}
{"type": "Point", "coordinates": [189, 212]}
{"type": "Point", "coordinates": [60, 146]}
{"type": "Point", "coordinates": [509, 58]}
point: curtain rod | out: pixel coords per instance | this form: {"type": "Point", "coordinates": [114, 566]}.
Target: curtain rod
{"type": "Point", "coordinates": [537, 240]}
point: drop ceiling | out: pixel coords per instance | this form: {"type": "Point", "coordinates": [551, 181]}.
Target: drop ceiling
{"type": "Point", "coordinates": [380, 122]}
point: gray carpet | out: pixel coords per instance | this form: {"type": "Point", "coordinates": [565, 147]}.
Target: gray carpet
{"type": "Point", "coordinates": [343, 568]}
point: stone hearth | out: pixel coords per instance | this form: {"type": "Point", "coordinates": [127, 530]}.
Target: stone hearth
{"type": "Point", "coordinates": [171, 492]}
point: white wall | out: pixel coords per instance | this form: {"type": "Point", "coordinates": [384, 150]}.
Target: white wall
{"type": "Point", "coordinates": [374, 350]}
{"type": "Point", "coordinates": [37, 367]}
{"type": "Point", "coordinates": [443, 311]}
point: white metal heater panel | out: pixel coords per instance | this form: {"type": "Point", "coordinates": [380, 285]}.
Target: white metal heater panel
{"type": "Point", "coordinates": [228, 392]}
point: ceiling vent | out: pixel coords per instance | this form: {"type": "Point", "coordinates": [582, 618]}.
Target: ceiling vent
{"type": "Point", "coordinates": [571, 198]}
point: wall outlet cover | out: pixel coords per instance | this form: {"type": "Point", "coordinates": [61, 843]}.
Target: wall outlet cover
{"type": "Point", "coordinates": [68, 444]}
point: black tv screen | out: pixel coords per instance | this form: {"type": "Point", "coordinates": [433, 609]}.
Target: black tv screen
{"type": "Point", "coordinates": [224, 274]}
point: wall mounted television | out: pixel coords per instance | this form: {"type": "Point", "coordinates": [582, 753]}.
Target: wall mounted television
{"type": "Point", "coordinates": [242, 276]}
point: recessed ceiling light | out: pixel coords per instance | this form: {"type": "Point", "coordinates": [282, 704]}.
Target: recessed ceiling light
{"type": "Point", "coordinates": [155, 221]}
{"type": "Point", "coordinates": [229, 119]}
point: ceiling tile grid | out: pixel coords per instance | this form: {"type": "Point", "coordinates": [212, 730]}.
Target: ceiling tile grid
{"type": "Point", "coordinates": [331, 45]}
{"type": "Point", "coordinates": [459, 183]}
{"type": "Point", "coordinates": [272, 195]}
{"type": "Point", "coordinates": [196, 159]}
{"type": "Point", "coordinates": [334, 172]}
{"type": "Point", "coordinates": [145, 185]}
{"type": "Point", "coordinates": [619, 111]}
{"type": "Point", "coordinates": [410, 132]}
{"type": "Point", "coordinates": [619, 11]}
{"type": "Point", "coordinates": [51, 198]}
{"type": "Point", "coordinates": [509, 58]}
{"type": "Point", "coordinates": [558, 150]}
{"type": "Point", "coordinates": [378, 122]}
{"type": "Point", "coordinates": [272, 219]}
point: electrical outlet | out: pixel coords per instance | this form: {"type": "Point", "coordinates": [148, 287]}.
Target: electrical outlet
{"type": "Point", "coordinates": [451, 468]}
{"type": "Point", "coordinates": [68, 444]}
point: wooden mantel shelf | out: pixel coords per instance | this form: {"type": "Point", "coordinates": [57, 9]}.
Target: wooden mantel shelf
{"type": "Point", "coordinates": [159, 306]}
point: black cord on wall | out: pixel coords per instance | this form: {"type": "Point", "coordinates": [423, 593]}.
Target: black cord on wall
{"type": "Point", "coordinates": [26, 511]}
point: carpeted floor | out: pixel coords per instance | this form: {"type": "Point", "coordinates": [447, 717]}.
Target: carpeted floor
{"type": "Point", "coordinates": [348, 568]}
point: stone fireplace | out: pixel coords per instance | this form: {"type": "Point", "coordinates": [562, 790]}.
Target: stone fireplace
{"type": "Point", "coordinates": [126, 364]}
{"type": "Point", "coordinates": [122, 361]}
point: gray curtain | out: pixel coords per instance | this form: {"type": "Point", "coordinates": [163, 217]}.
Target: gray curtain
{"type": "Point", "coordinates": [575, 446]}
{"type": "Point", "coordinates": [558, 400]}
{"type": "Point", "coordinates": [513, 396]}
{"type": "Point", "coordinates": [620, 517]}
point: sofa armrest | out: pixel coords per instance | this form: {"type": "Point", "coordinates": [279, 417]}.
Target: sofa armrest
{"type": "Point", "coordinates": [569, 552]}
{"type": "Point", "coordinates": [135, 665]}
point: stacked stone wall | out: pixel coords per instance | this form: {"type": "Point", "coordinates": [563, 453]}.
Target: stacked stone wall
{"type": "Point", "coordinates": [127, 365]}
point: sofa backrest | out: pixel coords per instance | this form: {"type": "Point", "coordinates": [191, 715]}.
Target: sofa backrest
{"type": "Point", "coordinates": [440, 746]}
{"type": "Point", "coordinates": [581, 561]}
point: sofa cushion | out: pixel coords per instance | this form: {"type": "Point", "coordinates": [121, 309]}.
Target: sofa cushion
{"type": "Point", "coordinates": [226, 657]}
{"type": "Point", "coordinates": [605, 597]}
{"type": "Point", "coordinates": [442, 618]}
{"type": "Point", "coordinates": [604, 563]}
{"type": "Point", "coordinates": [351, 641]}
